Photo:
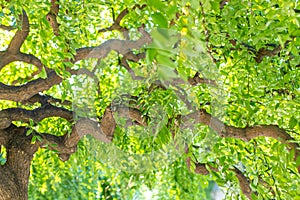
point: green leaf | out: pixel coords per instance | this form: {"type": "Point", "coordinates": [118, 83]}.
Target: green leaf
{"type": "Point", "coordinates": [39, 138]}
{"type": "Point", "coordinates": [68, 64]}
{"type": "Point", "coordinates": [166, 72]}
{"type": "Point", "coordinates": [43, 73]}
{"type": "Point", "coordinates": [293, 122]}
{"type": "Point", "coordinates": [31, 122]}
{"type": "Point", "coordinates": [43, 33]}
{"type": "Point", "coordinates": [29, 131]}
{"type": "Point", "coordinates": [160, 20]}
{"type": "Point", "coordinates": [150, 55]}
{"type": "Point", "coordinates": [33, 139]}
{"type": "Point", "coordinates": [165, 61]}
{"type": "Point", "coordinates": [157, 4]}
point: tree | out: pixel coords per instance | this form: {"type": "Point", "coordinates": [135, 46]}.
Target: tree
{"type": "Point", "coordinates": [210, 87]}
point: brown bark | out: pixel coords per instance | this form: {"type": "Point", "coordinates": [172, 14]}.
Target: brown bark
{"type": "Point", "coordinates": [14, 174]}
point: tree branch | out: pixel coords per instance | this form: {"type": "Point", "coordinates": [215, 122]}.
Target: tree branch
{"type": "Point", "coordinates": [26, 91]}
{"type": "Point", "coordinates": [121, 46]}
{"type": "Point", "coordinates": [51, 17]}
{"type": "Point", "coordinates": [262, 52]}
{"type": "Point", "coordinates": [132, 57]}
{"type": "Point", "coordinates": [201, 168]}
{"type": "Point", "coordinates": [223, 3]}
{"type": "Point", "coordinates": [198, 80]}
{"type": "Point", "coordinates": [45, 99]}
{"type": "Point", "coordinates": [116, 25]}
{"type": "Point", "coordinates": [38, 114]}
{"type": "Point", "coordinates": [7, 28]}
{"type": "Point", "coordinates": [20, 36]}
{"type": "Point", "coordinates": [245, 134]}
{"type": "Point", "coordinates": [7, 57]}
{"type": "Point", "coordinates": [244, 183]}
{"type": "Point", "coordinates": [67, 145]}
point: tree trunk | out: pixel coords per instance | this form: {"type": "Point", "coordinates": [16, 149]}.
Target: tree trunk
{"type": "Point", "coordinates": [14, 174]}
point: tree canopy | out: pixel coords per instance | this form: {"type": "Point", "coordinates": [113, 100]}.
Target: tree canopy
{"type": "Point", "coordinates": [123, 99]}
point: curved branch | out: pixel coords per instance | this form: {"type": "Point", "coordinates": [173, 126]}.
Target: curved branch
{"type": "Point", "coordinates": [45, 99]}
{"type": "Point", "coordinates": [84, 127]}
{"type": "Point", "coordinates": [133, 113]}
{"type": "Point", "coordinates": [54, 142]}
{"type": "Point", "coordinates": [116, 25]}
{"type": "Point", "coordinates": [201, 168]}
{"type": "Point", "coordinates": [244, 183]}
{"type": "Point", "coordinates": [121, 46]}
{"type": "Point", "coordinates": [7, 57]}
{"type": "Point", "coordinates": [20, 35]}
{"type": "Point", "coordinates": [26, 91]}
{"type": "Point", "coordinates": [245, 134]}
{"type": "Point", "coordinates": [101, 131]}
{"type": "Point", "coordinates": [262, 52]}
{"type": "Point", "coordinates": [20, 114]}
{"type": "Point", "coordinates": [132, 57]}
{"type": "Point", "coordinates": [7, 28]}
{"type": "Point", "coordinates": [67, 144]}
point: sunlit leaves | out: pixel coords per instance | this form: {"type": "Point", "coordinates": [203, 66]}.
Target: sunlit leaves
{"type": "Point", "coordinates": [186, 36]}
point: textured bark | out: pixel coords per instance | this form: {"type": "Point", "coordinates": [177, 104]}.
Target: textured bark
{"type": "Point", "coordinates": [14, 174]}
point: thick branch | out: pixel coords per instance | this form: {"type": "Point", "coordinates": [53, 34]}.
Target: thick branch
{"type": "Point", "coordinates": [121, 46]}
{"type": "Point", "coordinates": [54, 142]}
{"type": "Point", "coordinates": [66, 145]}
{"type": "Point", "coordinates": [26, 91]}
{"type": "Point", "coordinates": [245, 134]}
{"type": "Point", "coordinates": [132, 113]}
{"type": "Point", "coordinates": [3, 136]}
{"type": "Point", "coordinates": [20, 35]}
{"type": "Point", "coordinates": [45, 99]}
{"type": "Point", "coordinates": [20, 114]}
{"type": "Point", "coordinates": [51, 17]}
{"type": "Point", "coordinates": [7, 57]}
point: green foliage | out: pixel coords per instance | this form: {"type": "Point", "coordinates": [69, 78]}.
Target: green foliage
{"type": "Point", "coordinates": [186, 34]}
{"type": "Point", "coordinates": [81, 178]}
